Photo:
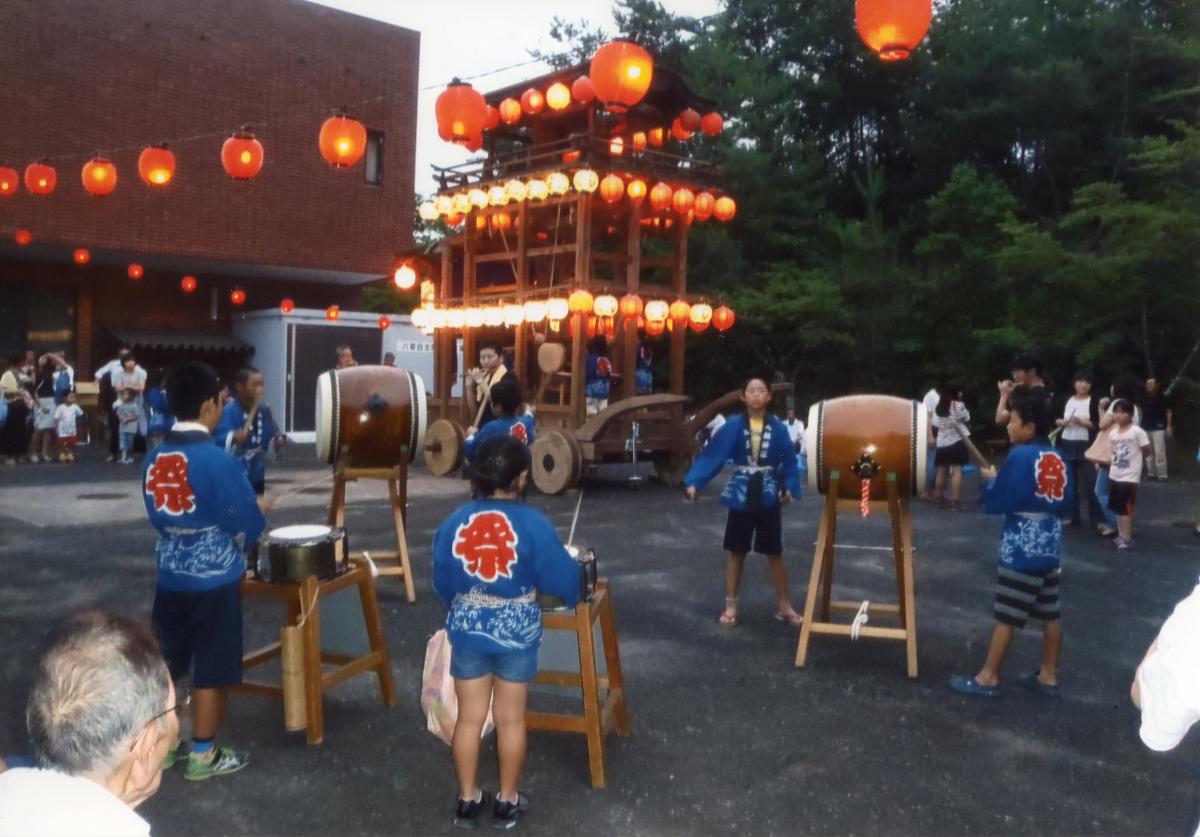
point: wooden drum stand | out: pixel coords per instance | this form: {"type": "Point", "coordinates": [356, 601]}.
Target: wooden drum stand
{"type": "Point", "coordinates": [397, 481]}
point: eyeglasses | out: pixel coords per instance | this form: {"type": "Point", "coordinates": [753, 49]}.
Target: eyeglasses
{"type": "Point", "coordinates": [179, 708]}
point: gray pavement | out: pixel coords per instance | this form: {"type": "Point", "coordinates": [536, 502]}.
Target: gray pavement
{"type": "Point", "coordinates": [727, 735]}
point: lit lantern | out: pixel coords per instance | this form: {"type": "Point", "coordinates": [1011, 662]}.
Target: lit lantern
{"type": "Point", "coordinates": [700, 316]}
{"type": "Point", "coordinates": [558, 96]}
{"type": "Point", "coordinates": [557, 308]}
{"type": "Point", "coordinates": [660, 196]}
{"type": "Point", "coordinates": [461, 113]}
{"type": "Point", "coordinates": [893, 28]}
{"type": "Point", "coordinates": [405, 278]}
{"type": "Point", "coordinates": [9, 179]}
{"type": "Point", "coordinates": [510, 111]}
{"type": "Point", "coordinates": [40, 178]}
{"type": "Point", "coordinates": [580, 302]}
{"type": "Point", "coordinates": [636, 191]}
{"type": "Point", "coordinates": [428, 211]}
{"type": "Point", "coordinates": [723, 318]}
{"type": "Point", "coordinates": [656, 310]}
{"type": "Point", "coordinates": [535, 310]}
{"type": "Point", "coordinates": [156, 165]}
{"type": "Point", "coordinates": [617, 147]}
{"type": "Point", "coordinates": [437, 318]}
{"type": "Point", "coordinates": [461, 203]}
{"type": "Point", "coordinates": [135, 271]}
{"type": "Point", "coordinates": [703, 206]}
{"type": "Point", "coordinates": [478, 198]}
{"type": "Point", "coordinates": [332, 313]}
{"type": "Point", "coordinates": [612, 188]}
{"type": "Point", "coordinates": [420, 317]}
{"type": "Point", "coordinates": [456, 318]}
{"type": "Point", "coordinates": [237, 296]}
{"type": "Point", "coordinates": [444, 204]}
{"type": "Point", "coordinates": [690, 120]}
{"type": "Point", "coordinates": [242, 155]}
{"type": "Point", "coordinates": [585, 180]}
{"type": "Point", "coordinates": [516, 190]}
{"type": "Point", "coordinates": [287, 305]}
{"type": "Point", "coordinates": [342, 140]}
{"type": "Point", "coordinates": [472, 317]}
{"type": "Point", "coordinates": [655, 327]}
{"type": "Point", "coordinates": [657, 137]}
{"type": "Point", "coordinates": [532, 101]}
{"type": "Point", "coordinates": [680, 311]}
{"type": "Point", "coordinates": [99, 176]}
{"type": "Point", "coordinates": [605, 305]}
{"type": "Point", "coordinates": [724, 208]}
{"type": "Point", "coordinates": [620, 73]}
{"type": "Point", "coordinates": [491, 118]}
{"type": "Point", "coordinates": [631, 306]}
{"type": "Point", "coordinates": [582, 90]}
{"type": "Point", "coordinates": [493, 315]}
{"type": "Point", "coordinates": [23, 237]}
{"type": "Point", "coordinates": [481, 222]}
{"type": "Point", "coordinates": [497, 195]}
{"type": "Point", "coordinates": [638, 140]}
{"type": "Point", "coordinates": [558, 183]}
{"type": "Point", "coordinates": [385, 322]}
{"type": "Point", "coordinates": [501, 221]}
{"type": "Point", "coordinates": [682, 200]}
{"type": "Point", "coordinates": [592, 326]}
{"type": "Point", "coordinates": [679, 132]}
{"type": "Point", "coordinates": [712, 123]}
{"type": "Point", "coordinates": [537, 189]}
{"type": "Point", "coordinates": [82, 256]}
{"type": "Point", "coordinates": [455, 219]}
{"type": "Point", "coordinates": [514, 314]}
{"type": "Point", "coordinates": [187, 284]}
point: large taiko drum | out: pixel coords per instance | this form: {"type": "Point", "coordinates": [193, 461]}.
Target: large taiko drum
{"type": "Point", "coordinates": [891, 432]}
{"type": "Point", "coordinates": [372, 415]}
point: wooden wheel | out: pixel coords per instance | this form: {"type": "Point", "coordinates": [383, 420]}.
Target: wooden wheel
{"type": "Point", "coordinates": [443, 447]}
{"type": "Point", "coordinates": [673, 468]}
{"type": "Point", "coordinates": [557, 462]}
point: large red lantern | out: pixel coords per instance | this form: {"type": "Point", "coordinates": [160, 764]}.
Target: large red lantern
{"type": "Point", "coordinates": [638, 140]}
{"type": "Point", "coordinates": [342, 140]}
{"type": "Point", "coordinates": [461, 113]}
{"type": "Point", "coordinates": [287, 305]}
{"type": "Point", "coordinates": [385, 322]}
{"type": "Point", "coordinates": [636, 191]}
{"type": "Point", "coordinates": [332, 313]}
{"type": "Point", "coordinates": [893, 28]}
{"type": "Point", "coordinates": [9, 180]}
{"type": "Point", "coordinates": [581, 89]}
{"type": "Point", "coordinates": [491, 118]}
{"type": "Point", "coordinates": [558, 96]}
{"type": "Point", "coordinates": [242, 155]}
{"type": "Point", "coordinates": [631, 306]}
{"type": "Point", "coordinates": [510, 111]}
{"type": "Point", "coordinates": [188, 284]}
{"type": "Point", "coordinates": [682, 200]}
{"type": "Point", "coordinates": [724, 208]}
{"type": "Point", "coordinates": [690, 120]}
{"type": "Point", "coordinates": [40, 178]}
{"type": "Point", "coordinates": [680, 311]}
{"type": "Point", "coordinates": [82, 256]}
{"type": "Point", "coordinates": [722, 318]}
{"type": "Point", "coordinates": [703, 206]}
{"type": "Point", "coordinates": [660, 196]}
{"type": "Point", "coordinates": [405, 277]}
{"type": "Point", "coordinates": [99, 176]}
{"type": "Point", "coordinates": [621, 72]}
{"type": "Point", "coordinates": [657, 137]}
{"type": "Point", "coordinates": [580, 302]}
{"type": "Point", "coordinates": [23, 237]}
{"type": "Point", "coordinates": [237, 296]}
{"type": "Point", "coordinates": [679, 132]}
{"type": "Point", "coordinates": [700, 316]}
{"type": "Point", "coordinates": [712, 123]}
{"type": "Point", "coordinates": [532, 101]}
{"type": "Point", "coordinates": [612, 188]}
{"type": "Point", "coordinates": [135, 271]}
{"type": "Point", "coordinates": [156, 165]}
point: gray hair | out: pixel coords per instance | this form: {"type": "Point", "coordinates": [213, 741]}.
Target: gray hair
{"type": "Point", "coordinates": [101, 679]}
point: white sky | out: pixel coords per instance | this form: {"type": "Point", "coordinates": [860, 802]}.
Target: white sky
{"type": "Point", "coordinates": [467, 37]}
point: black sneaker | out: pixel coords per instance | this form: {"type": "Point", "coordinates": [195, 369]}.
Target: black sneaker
{"type": "Point", "coordinates": [470, 811]}
{"type": "Point", "coordinates": [506, 814]}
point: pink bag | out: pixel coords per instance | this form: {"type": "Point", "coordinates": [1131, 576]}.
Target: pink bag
{"type": "Point", "coordinates": [1100, 451]}
{"type": "Point", "coordinates": [438, 699]}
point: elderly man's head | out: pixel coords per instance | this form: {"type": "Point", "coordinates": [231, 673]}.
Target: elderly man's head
{"type": "Point", "coordinates": [102, 705]}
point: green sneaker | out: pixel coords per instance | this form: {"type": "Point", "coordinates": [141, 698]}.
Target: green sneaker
{"type": "Point", "coordinates": [172, 756]}
{"type": "Point", "coordinates": [218, 762]}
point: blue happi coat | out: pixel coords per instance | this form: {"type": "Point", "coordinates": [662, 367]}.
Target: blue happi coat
{"type": "Point", "coordinates": [776, 462]}
{"type": "Point", "coordinates": [490, 560]}
{"type": "Point", "coordinates": [1031, 490]}
{"type": "Point", "coordinates": [199, 500]}
{"type": "Point", "coordinates": [252, 453]}
{"type": "Point", "coordinates": [520, 427]}
{"type": "Point", "coordinates": [598, 380]}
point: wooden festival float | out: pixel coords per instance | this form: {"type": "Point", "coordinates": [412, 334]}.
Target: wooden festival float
{"type": "Point", "coordinates": [574, 223]}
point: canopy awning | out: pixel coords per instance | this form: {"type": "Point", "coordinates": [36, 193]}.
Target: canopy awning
{"type": "Point", "coordinates": [175, 340]}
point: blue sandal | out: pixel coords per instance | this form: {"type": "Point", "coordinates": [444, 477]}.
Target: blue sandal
{"type": "Point", "coordinates": [968, 686]}
{"type": "Point", "coordinates": [1031, 682]}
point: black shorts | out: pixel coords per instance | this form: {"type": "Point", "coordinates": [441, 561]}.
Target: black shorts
{"type": "Point", "coordinates": [955, 454]}
{"type": "Point", "coordinates": [260, 487]}
{"type": "Point", "coordinates": [201, 632]}
{"type": "Point", "coordinates": [1021, 595]}
{"type": "Point", "coordinates": [1121, 497]}
{"type": "Point", "coordinates": [762, 529]}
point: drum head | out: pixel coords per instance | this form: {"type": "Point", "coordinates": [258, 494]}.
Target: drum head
{"type": "Point", "coordinates": [812, 447]}
{"type": "Point", "coordinates": [327, 416]}
{"type": "Point", "coordinates": [551, 357]}
{"type": "Point", "coordinates": [420, 416]}
{"type": "Point", "coordinates": [921, 443]}
{"type": "Point", "coordinates": [300, 532]}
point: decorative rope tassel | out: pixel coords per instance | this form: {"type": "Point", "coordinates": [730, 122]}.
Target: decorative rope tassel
{"type": "Point", "coordinates": [864, 506]}
{"type": "Point", "coordinates": [860, 619]}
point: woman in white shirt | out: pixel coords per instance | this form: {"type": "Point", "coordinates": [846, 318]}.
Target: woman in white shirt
{"type": "Point", "coordinates": [131, 376]}
{"type": "Point", "coordinates": [1078, 424]}
{"type": "Point", "coordinates": [950, 417]}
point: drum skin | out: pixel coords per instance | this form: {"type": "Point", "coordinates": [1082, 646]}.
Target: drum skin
{"type": "Point", "coordinates": [374, 416]}
{"type": "Point", "coordinates": [840, 430]}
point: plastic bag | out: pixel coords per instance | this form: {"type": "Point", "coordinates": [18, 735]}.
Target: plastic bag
{"type": "Point", "coordinates": [438, 700]}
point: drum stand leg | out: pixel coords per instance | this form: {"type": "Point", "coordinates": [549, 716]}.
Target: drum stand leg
{"type": "Point", "coordinates": [822, 556]}
{"type": "Point", "coordinates": [397, 481]}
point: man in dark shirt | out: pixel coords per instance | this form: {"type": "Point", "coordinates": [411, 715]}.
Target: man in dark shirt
{"type": "Point", "coordinates": [1156, 421]}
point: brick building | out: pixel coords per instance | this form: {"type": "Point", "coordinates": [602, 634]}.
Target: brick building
{"type": "Point", "coordinates": [113, 76]}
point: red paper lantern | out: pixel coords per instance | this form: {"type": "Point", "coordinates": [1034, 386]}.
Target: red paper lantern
{"type": "Point", "coordinates": [332, 313]}
{"type": "Point", "coordinates": [156, 165]}
{"type": "Point", "coordinates": [724, 208]}
{"type": "Point", "coordinates": [682, 200]}
{"type": "Point", "coordinates": [612, 188]}
{"type": "Point", "coordinates": [712, 123]}
{"type": "Point", "coordinates": [405, 277]}
{"type": "Point", "coordinates": [532, 101]}
{"type": "Point", "coordinates": [23, 237]}
{"type": "Point", "coordinates": [286, 305]}
{"type": "Point", "coordinates": [657, 137]}
{"type": "Point", "coordinates": [135, 271]}
{"type": "Point", "coordinates": [9, 180]}
{"type": "Point", "coordinates": [690, 120]}
{"type": "Point", "coordinates": [893, 28]}
{"type": "Point", "coordinates": [703, 206]}
{"type": "Point", "coordinates": [636, 191]}
{"type": "Point", "coordinates": [655, 327]}
{"type": "Point", "coordinates": [237, 296]}
{"type": "Point", "coordinates": [491, 118]}
{"type": "Point", "coordinates": [501, 221]}
{"type": "Point", "coordinates": [638, 140]}
{"type": "Point", "coordinates": [461, 113]}
{"type": "Point", "coordinates": [582, 90]}
{"type": "Point", "coordinates": [385, 322]}
{"type": "Point", "coordinates": [40, 178]}
{"type": "Point", "coordinates": [680, 311]}
{"type": "Point", "coordinates": [621, 72]}
{"type": "Point", "coordinates": [631, 306]}
{"type": "Point", "coordinates": [617, 147]}
{"type": "Point", "coordinates": [99, 176]}
{"type": "Point", "coordinates": [82, 256]}
{"type": "Point", "coordinates": [558, 96]}
{"type": "Point", "coordinates": [722, 318]}
{"type": "Point", "coordinates": [660, 196]}
{"type": "Point", "coordinates": [188, 284]}
{"type": "Point", "coordinates": [342, 140]}
{"type": "Point", "coordinates": [679, 132]}
{"type": "Point", "coordinates": [580, 302]}
{"type": "Point", "coordinates": [570, 156]}
{"type": "Point", "coordinates": [242, 155]}
{"type": "Point", "coordinates": [700, 316]}
{"type": "Point", "coordinates": [510, 111]}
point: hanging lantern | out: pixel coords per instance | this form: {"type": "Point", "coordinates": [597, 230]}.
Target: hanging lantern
{"type": "Point", "coordinates": [135, 271]}
{"type": "Point", "coordinates": [472, 317]}
{"type": "Point", "coordinates": [605, 305]}
{"type": "Point", "coordinates": [428, 211]}
{"type": "Point", "coordinates": [536, 189]}
{"type": "Point", "coordinates": [478, 198]}
{"type": "Point", "coordinates": [455, 219]}
{"type": "Point", "coordinates": [510, 111]}
{"type": "Point", "coordinates": [497, 195]}
{"type": "Point", "coordinates": [501, 221]}
{"type": "Point", "coordinates": [703, 206]}
{"type": "Point", "coordinates": [557, 308]}
{"type": "Point", "coordinates": [712, 123]}
{"type": "Point", "coordinates": [9, 180]}
{"type": "Point", "coordinates": [188, 284]}
{"type": "Point", "coordinates": [23, 237]}
{"type": "Point", "coordinates": [156, 165]}
{"type": "Point", "coordinates": [242, 155]}
{"type": "Point", "coordinates": [514, 314]}
{"type": "Point", "coordinates": [461, 203]}
{"type": "Point", "coordinates": [332, 313]}
{"type": "Point", "coordinates": [893, 28]}
{"type": "Point", "coordinates": [99, 176]}
{"type": "Point", "coordinates": [657, 137]}
{"type": "Point", "coordinates": [580, 302]}
{"type": "Point", "coordinates": [723, 318]}
{"type": "Point", "coordinates": [456, 318]}
{"type": "Point", "coordinates": [638, 140]}
{"type": "Point", "coordinates": [660, 196]}
{"type": "Point", "coordinates": [534, 311]}
{"type": "Point", "coordinates": [617, 147]}
{"type": "Point", "coordinates": [724, 208]}
{"type": "Point", "coordinates": [516, 190]}
{"type": "Point", "coordinates": [493, 315]}
{"type": "Point", "coordinates": [680, 311]}
{"type": "Point", "coordinates": [342, 140]}
{"type": "Point", "coordinates": [620, 73]}
{"type": "Point", "coordinates": [679, 132]}
{"type": "Point", "coordinates": [636, 191]}
{"type": "Point", "coordinates": [420, 318]}
{"type": "Point", "coordinates": [82, 256]}
{"type": "Point", "coordinates": [585, 180]}
{"type": "Point", "coordinates": [581, 89]}
{"type": "Point", "coordinates": [405, 278]}
{"type": "Point", "coordinates": [558, 183]}
{"type": "Point", "coordinates": [558, 96]}
{"type": "Point", "coordinates": [655, 327]}
{"type": "Point", "coordinates": [385, 322]}
{"type": "Point", "coordinates": [40, 178]}
{"type": "Point", "coordinates": [491, 118]}
{"type": "Point", "coordinates": [532, 101]}
{"type": "Point", "coordinates": [286, 305]}
{"type": "Point", "coordinates": [481, 222]}
{"type": "Point", "coordinates": [437, 318]}
{"type": "Point", "coordinates": [656, 310]}
{"type": "Point", "coordinates": [461, 113]}
{"type": "Point", "coordinates": [570, 156]}
{"type": "Point", "coordinates": [700, 316]}
{"type": "Point", "coordinates": [444, 204]}
{"type": "Point", "coordinates": [631, 306]}
{"type": "Point", "coordinates": [612, 188]}
{"type": "Point", "coordinates": [592, 326]}
{"type": "Point", "coordinates": [690, 120]}
{"type": "Point", "coordinates": [237, 296]}
{"type": "Point", "coordinates": [682, 200]}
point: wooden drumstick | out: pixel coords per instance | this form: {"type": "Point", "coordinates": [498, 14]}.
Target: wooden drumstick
{"type": "Point", "coordinates": [575, 519]}
{"type": "Point", "coordinates": [273, 500]}
{"type": "Point", "coordinates": [979, 458]}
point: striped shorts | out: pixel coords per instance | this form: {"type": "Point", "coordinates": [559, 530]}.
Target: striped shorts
{"type": "Point", "coordinates": [1021, 595]}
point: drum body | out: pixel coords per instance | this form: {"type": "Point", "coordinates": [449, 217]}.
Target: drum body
{"type": "Point", "coordinates": [374, 416]}
{"type": "Point", "coordinates": [292, 553]}
{"type": "Point", "coordinates": [893, 432]}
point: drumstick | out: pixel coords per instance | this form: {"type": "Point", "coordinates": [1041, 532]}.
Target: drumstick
{"type": "Point", "coordinates": [575, 519]}
{"type": "Point", "coordinates": [979, 458]}
{"type": "Point", "coordinates": [299, 488]}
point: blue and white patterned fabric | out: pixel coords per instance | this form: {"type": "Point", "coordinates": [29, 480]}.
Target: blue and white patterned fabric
{"type": "Point", "coordinates": [252, 453]}
{"type": "Point", "coordinates": [776, 462]}
{"type": "Point", "coordinates": [1031, 491]}
{"type": "Point", "coordinates": [598, 383]}
{"type": "Point", "coordinates": [520, 428]}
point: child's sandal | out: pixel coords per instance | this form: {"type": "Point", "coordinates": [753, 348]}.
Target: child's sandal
{"type": "Point", "coordinates": [728, 617]}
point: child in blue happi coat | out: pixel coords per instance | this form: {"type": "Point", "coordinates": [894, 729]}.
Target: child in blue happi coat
{"type": "Point", "coordinates": [506, 402]}
{"type": "Point", "coordinates": [247, 430]}
{"type": "Point", "coordinates": [765, 478]}
{"type": "Point", "coordinates": [491, 559]}
{"type": "Point", "coordinates": [1032, 491]}
{"type": "Point", "coordinates": [598, 375]}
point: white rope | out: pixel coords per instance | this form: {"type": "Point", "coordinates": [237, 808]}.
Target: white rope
{"type": "Point", "coordinates": [866, 548]}
{"type": "Point", "coordinates": [860, 619]}
{"type": "Point", "coordinates": [374, 569]}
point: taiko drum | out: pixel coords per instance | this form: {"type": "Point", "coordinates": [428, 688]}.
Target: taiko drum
{"type": "Point", "coordinates": [893, 432]}
{"type": "Point", "coordinates": [370, 416]}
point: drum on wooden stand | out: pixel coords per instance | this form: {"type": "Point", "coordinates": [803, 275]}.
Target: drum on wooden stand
{"type": "Point", "coordinates": [892, 433]}
{"type": "Point", "coordinates": [373, 415]}
{"type": "Point", "coordinates": [292, 553]}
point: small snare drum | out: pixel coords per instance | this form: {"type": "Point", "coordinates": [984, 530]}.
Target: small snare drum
{"type": "Point", "coordinates": [292, 553]}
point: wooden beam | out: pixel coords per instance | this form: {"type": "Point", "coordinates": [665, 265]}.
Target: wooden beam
{"type": "Point", "coordinates": [520, 349]}
{"type": "Point", "coordinates": [633, 281]}
{"type": "Point", "coordinates": [470, 355]}
{"type": "Point", "coordinates": [583, 274]}
{"type": "Point", "coordinates": [679, 286]}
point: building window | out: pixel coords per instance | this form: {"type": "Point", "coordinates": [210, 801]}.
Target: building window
{"type": "Point", "coordinates": [374, 167]}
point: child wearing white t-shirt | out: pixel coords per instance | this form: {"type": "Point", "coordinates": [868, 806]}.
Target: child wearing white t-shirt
{"type": "Point", "coordinates": [66, 425]}
{"type": "Point", "coordinates": [1130, 447]}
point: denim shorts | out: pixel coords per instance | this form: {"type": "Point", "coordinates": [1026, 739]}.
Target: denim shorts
{"type": "Point", "coordinates": [513, 666]}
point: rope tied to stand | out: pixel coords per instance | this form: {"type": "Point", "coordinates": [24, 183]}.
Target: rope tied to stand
{"type": "Point", "coordinates": [860, 619]}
